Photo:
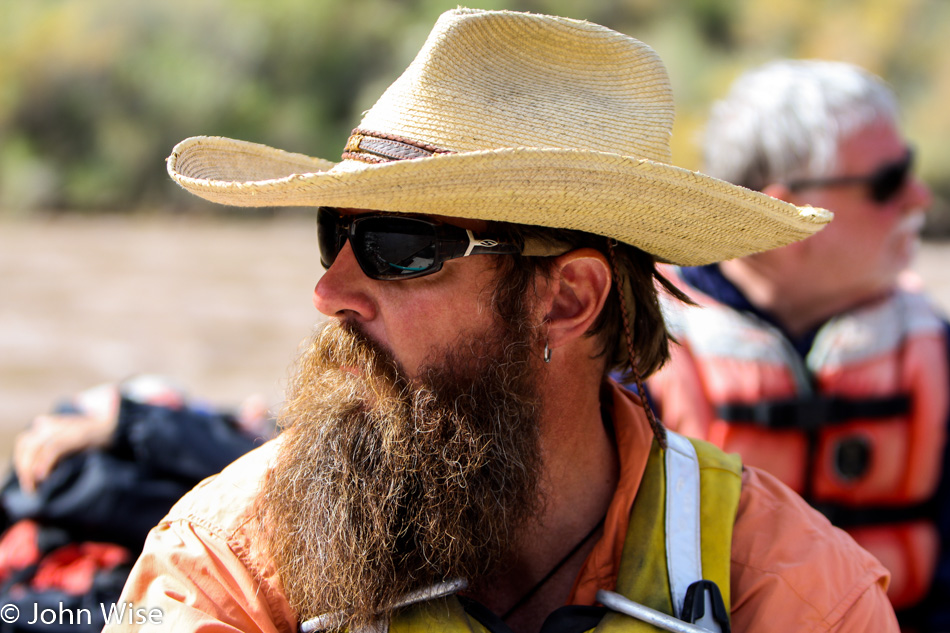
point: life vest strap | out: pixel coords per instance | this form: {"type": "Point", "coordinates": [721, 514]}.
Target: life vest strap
{"type": "Point", "coordinates": [845, 516]}
{"type": "Point", "coordinates": [683, 534]}
{"type": "Point", "coordinates": [809, 413]}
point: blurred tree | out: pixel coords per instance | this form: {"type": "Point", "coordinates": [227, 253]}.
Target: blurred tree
{"type": "Point", "coordinates": [94, 93]}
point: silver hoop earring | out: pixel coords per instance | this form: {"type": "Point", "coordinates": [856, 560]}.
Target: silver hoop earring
{"type": "Point", "coordinates": [547, 353]}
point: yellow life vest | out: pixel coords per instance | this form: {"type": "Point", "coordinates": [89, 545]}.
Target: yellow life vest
{"type": "Point", "coordinates": [645, 570]}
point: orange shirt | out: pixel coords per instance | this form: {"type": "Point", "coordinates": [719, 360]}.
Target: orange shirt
{"type": "Point", "coordinates": [204, 569]}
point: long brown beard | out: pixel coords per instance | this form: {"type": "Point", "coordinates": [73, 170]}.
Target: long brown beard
{"type": "Point", "coordinates": [382, 487]}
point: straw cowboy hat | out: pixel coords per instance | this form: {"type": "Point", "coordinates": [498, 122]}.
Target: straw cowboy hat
{"type": "Point", "coordinates": [520, 118]}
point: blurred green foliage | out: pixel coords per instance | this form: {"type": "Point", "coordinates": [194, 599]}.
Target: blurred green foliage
{"type": "Point", "coordinates": [94, 93]}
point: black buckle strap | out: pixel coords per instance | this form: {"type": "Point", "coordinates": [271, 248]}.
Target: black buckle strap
{"type": "Point", "coordinates": [812, 413]}
{"type": "Point", "coordinates": [850, 517]}
{"type": "Point", "coordinates": [704, 606]}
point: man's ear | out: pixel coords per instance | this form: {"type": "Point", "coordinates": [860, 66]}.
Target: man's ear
{"type": "Point", "coordinates": [580, 284]}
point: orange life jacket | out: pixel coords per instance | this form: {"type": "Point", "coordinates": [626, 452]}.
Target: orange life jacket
{"type": "Point", "coordinates": [857, 427]}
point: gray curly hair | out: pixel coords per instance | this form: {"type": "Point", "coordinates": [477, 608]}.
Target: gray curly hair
{"type": "Point", "coordinates": [782, 121]}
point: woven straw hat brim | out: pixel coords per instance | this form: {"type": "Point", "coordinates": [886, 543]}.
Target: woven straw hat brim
{"type": "Point", "coordinates": [677, 215]}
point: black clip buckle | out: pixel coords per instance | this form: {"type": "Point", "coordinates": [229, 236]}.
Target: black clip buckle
{"type": "Point", "coordinates": [704, 607]}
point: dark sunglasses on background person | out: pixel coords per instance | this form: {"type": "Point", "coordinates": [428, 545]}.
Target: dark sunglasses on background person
{"type": "Point", "coordinates": [883, 184]}
{"type": "Point", "coordinates": [389, 247]}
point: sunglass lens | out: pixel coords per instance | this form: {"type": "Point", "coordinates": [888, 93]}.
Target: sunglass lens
{"type": "Point", "coordinates": [890, 180]}
{"type": "Point", "coordinates": [330, 235]}
{"type": "Point", "coordinates": [394, 248]}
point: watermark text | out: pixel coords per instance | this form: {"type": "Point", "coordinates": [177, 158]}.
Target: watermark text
{"type": "Point", "coordinates": [62, 615]}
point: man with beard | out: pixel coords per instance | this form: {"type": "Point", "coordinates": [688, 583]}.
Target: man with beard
{"type": "Point", "coordinates": [454, 457]}
{"type": "Point", "coordinates": [817, 362]}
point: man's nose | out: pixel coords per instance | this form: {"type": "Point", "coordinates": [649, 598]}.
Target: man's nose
{"type": "Point", "coordinates": [343, 290]}
{"type": "Point", "coordinates": [918, 195]}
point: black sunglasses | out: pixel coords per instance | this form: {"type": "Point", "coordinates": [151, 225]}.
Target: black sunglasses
{"type": "Point", "coordinates": [389, 247]}
{"type": "Point", "coordinates": [883, 184]}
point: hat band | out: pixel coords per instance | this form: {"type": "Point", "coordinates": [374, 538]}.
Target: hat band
{"type": "Point", "coordinates": [377, 147]}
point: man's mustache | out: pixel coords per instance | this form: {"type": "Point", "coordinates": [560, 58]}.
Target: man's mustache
{"type": "Point", "coordinates": [345, 346]}
{"type": "Point", "coordinates": [913, 222]}
{"type": "Point", "coordinates": [350, 337]}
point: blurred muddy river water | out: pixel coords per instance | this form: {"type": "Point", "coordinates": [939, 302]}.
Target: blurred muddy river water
{"type": "Point", "coordinates": [218, 305]}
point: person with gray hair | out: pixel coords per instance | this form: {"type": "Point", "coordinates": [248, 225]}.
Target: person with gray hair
{"type": "Point", "coordinates": [782, 122]}
{"type": "Point", "coordinates": [824, 362]}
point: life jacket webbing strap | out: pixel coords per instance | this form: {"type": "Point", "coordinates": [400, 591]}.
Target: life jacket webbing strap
{"type": "Point", "coordinates": [683, 546]}
{"type": "Point", "coordinates": [845, 516]}
{"type": "Point", "coordinates": [807, 413]}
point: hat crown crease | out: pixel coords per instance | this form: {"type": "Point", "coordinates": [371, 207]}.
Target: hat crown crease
{"type": "Point", "coordinates": [490, 80]}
